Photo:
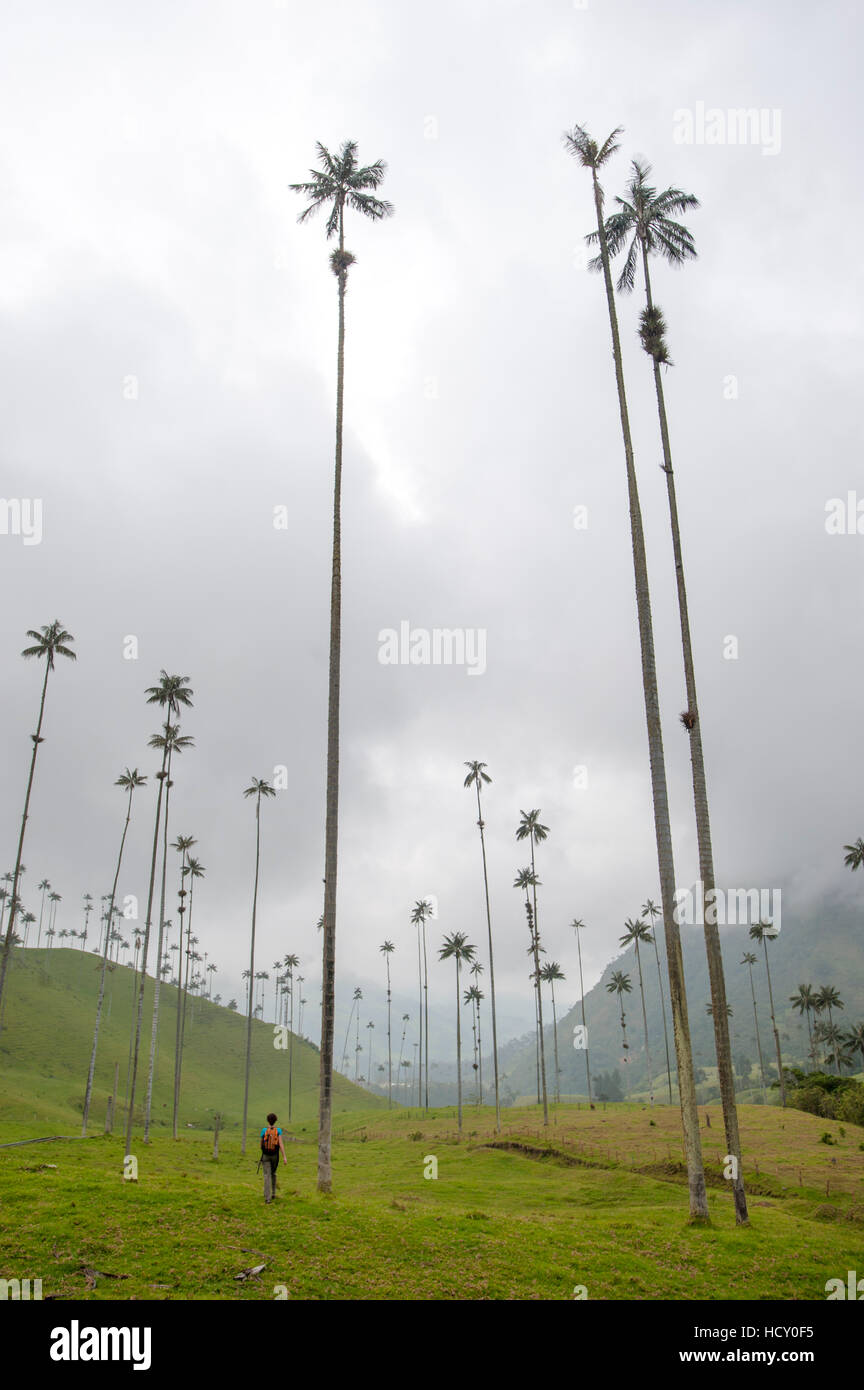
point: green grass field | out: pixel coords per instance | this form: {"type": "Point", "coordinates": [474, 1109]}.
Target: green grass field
{"type": "Point", "coordinates": [598, 1199]}
{"type": "Point", "coordinates": [529, 1221]}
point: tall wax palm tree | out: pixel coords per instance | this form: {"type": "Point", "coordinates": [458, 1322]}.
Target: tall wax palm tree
{"type": "Point", "coordinates": [53, 900]}
{"type": "Point", "coordinates": [651, 911]}
{"type": "Point", "coordinates": [258, 788]}
{"type": "Point", "coordinates": [578, 927]}
{"type": "Point", "coordinates": [182, 845]}
{"type": "Point", "coordinates": [477, 775]}
{"type": "Point", "coordinates": [854, 856]}
{"type": "Point", "coordinates": [592, 157]}
{"type": "Point", "coordinates": [457, 947]}
{"type": "Point", "coordinates": [855, 1039]}
{"type": "Point", "coordinates": [290, 963]}
{"type": "Point", "coordinates": [804, 1000]}
{"type": "Point", "coordinates": [828, 999]}
{"type": "Point", "coordinates": [50, 642]}
{"type": "Point", "coordinates": [527, 879]}
{"type": "Point", "coordinates": [129, 780]}
{"type": "Point", "coordinates": [645, 219]}
{"type": "Point", "coordinates": [339, 184]}
{"type": "Point", "coordinates": [387, 949]}
{"type": "Point", "coordinates": [369, 1026]}
{"type": "Point", "coordinates": [172, 693]}
{"type": "Point", "coordinates": [355, 1000]}
{"type": "Point", "coordinates": [750, 960]}
{"type": "Point", "coordinates": [619, 984]}
{"type": "Point", "coordinates": [470, 996]}
{"type": "Point", "coordinates": [194, 869]}
{"type": "Point", "coordinates": [531, 829]}
{"type": "Point", "coordinates": [88, 908]}
{"type": "Point", "coordinates": [550, 973]}
{"type": "Point", "coordinates": [43, 889]}
{"type": "Point", "coordinates": [165, 691]}
{"type": "Point", "coordinates": [635, 931]}
{"type": "Point", "coordinates": [477, 970]}
{"type": "Point", "coordinates": [421, 912]}
{"type": "Point", "coordinates": [764, 932]}
{"type": "Point", "coordinates": [406, 1019]}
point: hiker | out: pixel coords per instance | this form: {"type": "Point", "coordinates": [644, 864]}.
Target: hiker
{"type": "Point", "coordinates": [271, 1143]}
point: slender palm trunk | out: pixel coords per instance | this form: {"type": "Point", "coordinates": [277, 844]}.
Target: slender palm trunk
{"type": "Point", "coordinates": [624, 1039]}
{"type": "Point", "coordinates": [157, 978]}
{"type": "Point", "coordinates": [251, 973]}
{"type": "Point", "coordinates": [325, 1172]}
{"type": "Point", "coordinates": [347, 1035]}
{"type": "Point", "coordinates": [89, 1088]}
{"type": "Point", "coordinates": [774, 1027]}
{"type": "Point", "coordinates": [535, 945]}
{"type": "Point", "coordinates": [425, 1018]}
{"type": "Point", "coordinates": [645, 1027]}
{"type": "Point", "coordinates": [458, 1053]}
{"type": "Point", "coordinates": [665, 858]}
{"type": "Point", "coordinates": [584, 1024]}
{"type": "Point", "coordinates": [663, 1008]}
{"type": "Point", "coordinates": [420, 1014]}
{"type": "Point", "coordinates": [41, 910]}
{"type": "Point", "coordinates": [479, 1053]}
{"type": "Point", "coordinates": [291, 1050]}
{"type": "Point", "coordinates": [14, 904]}
{"type": "Point", "coordinates": [178, 1036]}
{"type": "Point", "coordinates": [758, 1039]}
{"type": "Point", "coordinates": [389, 1049]}
{"type": "Point", "coordinates": [491, 962]}
{"type": "Point", "coordinates": [716, 976]}
{"type": "Point", "coordinates": [144, 949]}
{"type": "Point", "coordinates": [555, 1035]}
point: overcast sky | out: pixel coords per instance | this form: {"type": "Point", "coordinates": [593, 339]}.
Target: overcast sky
{"type": "Point", "coordinates": [167, 333]}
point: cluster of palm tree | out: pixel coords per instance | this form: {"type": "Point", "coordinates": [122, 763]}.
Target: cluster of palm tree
{"type": "Point", "coordinates": [644, 225]}
{"type": "Point", "coordinates": [838, 1046]}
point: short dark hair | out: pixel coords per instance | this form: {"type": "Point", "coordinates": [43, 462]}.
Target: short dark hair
{"type": "Point", "coordinates": [271, 1119]}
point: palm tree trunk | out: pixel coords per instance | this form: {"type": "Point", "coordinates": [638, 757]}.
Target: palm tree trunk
{"type": "Point", "coordinates": [325, 1172]}
{"type": "Point", "coordinates": [13, 903]}
{"type": "Point", "coordinates": [663, 1007]}
{"type": "Point", "coordinates": [716, 976]}
{"type": "Point", "coordinates": [144, 949]}
{"type": "Point", "coordinates": [774, 1027]}
{"type": "Point", "coordinates": [645, 1027]}
{"type": "Point", "coordinates": [426, 1015]}
{"type": "Point", "coordinates": [458, 1052]}
{"type": "Point", "coordinates": [419, 1017]}
{"type": "Point", "coordinates": [251, 973]}
{"type": "Point", "coordinates": [584, 1024]}
{"type": "Point", "coordinates": [479, 1053]}
{"type": "Point", "coordinates": [291, 1050]}
{"type": "Point", "coordinates": [535, 938]}
{"type": "Point", "coordinates": [758, 1039]}
{"type": "Point", "coordinates": [491, 964]}
{"type": "Point", "coordinates": [555, 1034]}
{"type": "Point", "coordinates": [389, 1049]}
{"type": "Point", "coordinates": [178, 1035]}
{"type": "Point", "coordinates": [89, 1088]}
{"type": "Point", "coordinates": [157, 979]}
{"type": "Point", "coordinates": [665, 858]}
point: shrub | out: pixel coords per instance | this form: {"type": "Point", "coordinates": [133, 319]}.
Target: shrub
{"type": "Point", "coordinates": [850, 1106]}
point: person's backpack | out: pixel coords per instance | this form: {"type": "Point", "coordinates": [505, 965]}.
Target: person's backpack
{"type": "Point", "coordinates": [270, 1141]}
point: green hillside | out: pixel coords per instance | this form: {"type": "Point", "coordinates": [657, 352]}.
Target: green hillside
{"type": "Point", "coordinates": [822, 949]}
{"type": "Point", "coordinates": [48, 1033]}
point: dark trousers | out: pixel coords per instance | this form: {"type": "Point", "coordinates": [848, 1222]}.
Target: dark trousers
{"type": "Point", "coordinates": [269, 1165]}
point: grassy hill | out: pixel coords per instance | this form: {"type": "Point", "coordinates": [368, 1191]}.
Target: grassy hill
{"type": "Point", "coordinates": [48, 1033]}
